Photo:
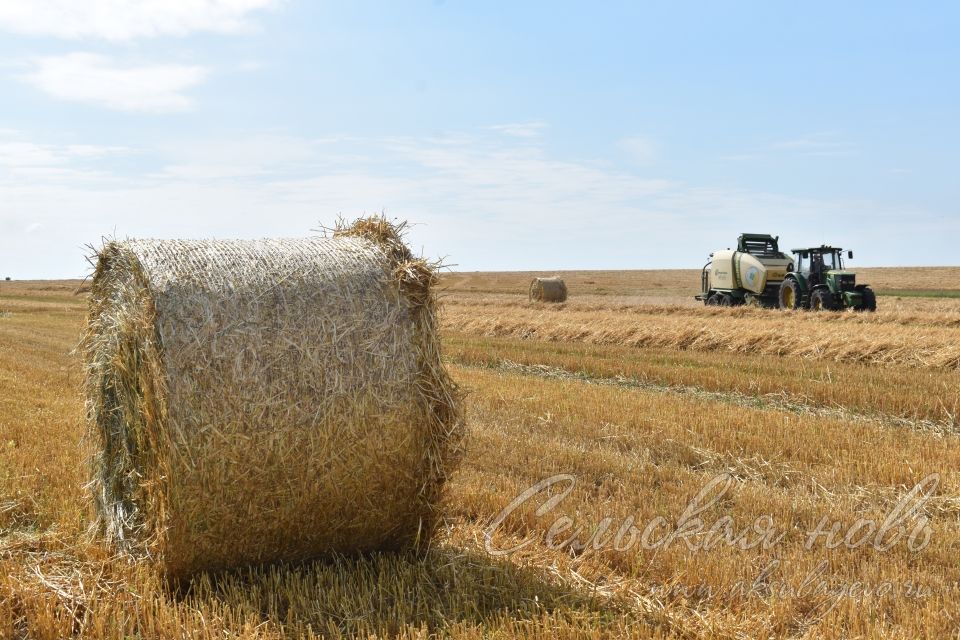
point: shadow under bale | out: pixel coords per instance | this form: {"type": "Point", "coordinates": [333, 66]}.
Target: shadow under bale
{"type": "Point", "coordinates": [442, 591]}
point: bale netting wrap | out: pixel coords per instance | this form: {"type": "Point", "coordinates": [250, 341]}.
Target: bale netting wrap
{"type": "Point", "coordinates": [254, 401]}
{"type": "Point", "coordinates": [548, 290]}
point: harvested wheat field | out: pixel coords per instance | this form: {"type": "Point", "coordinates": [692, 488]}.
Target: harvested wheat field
{"type": "Point", "coordinates": [636, 466]}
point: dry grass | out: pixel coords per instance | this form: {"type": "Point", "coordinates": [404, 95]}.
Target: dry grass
{"type": "Point", "coordinates": [643, 455]}
{"type": "Point", "coordinates": [676, 282]}
{"type": "Point", "coordinates": [912, 278]}
{"type": "Point", "coordinates": [925, 399]}
{"type": "Point", "coordinates": [887, 337]}
{"type": "Point", "coordinates": [823, 439]}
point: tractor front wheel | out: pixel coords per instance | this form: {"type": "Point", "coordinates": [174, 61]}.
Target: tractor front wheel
{"type": "Point", "coordinates": [789, 294]}
{"type": "Point", "coordinates": [869, 302]}
{"type": "Point", "coordinates": [822, 300]}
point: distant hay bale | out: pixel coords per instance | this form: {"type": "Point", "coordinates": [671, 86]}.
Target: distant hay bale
{"type": "Point", "coordinates": [252, 401]}
{"type": "Point", "coordinates": [548, 290]}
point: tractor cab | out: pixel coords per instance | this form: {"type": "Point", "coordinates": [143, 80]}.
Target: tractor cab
{"type": "Point", "coordinates": [816, 263]}
{"type": "Point", "coordinates": [818, 281]}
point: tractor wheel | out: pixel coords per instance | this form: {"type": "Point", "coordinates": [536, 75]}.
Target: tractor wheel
{"type": "Point", "coordinates": [869, 300]}
{"type": "Point", "coordinates": [822, 300]}
{"type": "Point", "coordinates": [790, 294]}
{"type": "Point", "coordinates": [725, 300]}
{"type": "Point", "coordinates": [712, 300]}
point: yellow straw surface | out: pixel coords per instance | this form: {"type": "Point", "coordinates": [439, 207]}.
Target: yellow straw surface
{"type": "Point", "coordinates": [253, 401]}
{"type": "Point", "coordinates": [548, 290]}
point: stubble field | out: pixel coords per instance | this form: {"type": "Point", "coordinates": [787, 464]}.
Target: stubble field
{"type": "Point", "coordinates": [727, 473]}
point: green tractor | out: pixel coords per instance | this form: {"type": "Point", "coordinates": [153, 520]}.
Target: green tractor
{"type": "Point", "coordinates": [819, 282]}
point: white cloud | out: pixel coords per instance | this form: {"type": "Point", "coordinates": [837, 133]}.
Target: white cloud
{"type": "Point", "coordinates": [95, 79]}
{"type": "Point", "coordinates": [502, 178]}
{"type": "Point", "coordinates": [816, 144]}
{"type": "Point", "coordinates": [640, 150]}
{"type": "Point", "coordinates": [487, 202]}
{"type": "Point", "coordinates": [520, 129]}
{"type": "Point", "coordinates": [28, 154]}
{"type": "Point", "coordinates": [257, 155]}
{"type": "Point", "coordinates": [90, 151]}
{"type": "Point", "coordinates": [741, 157]}
{"type": "Point", "coordinates": [17, 152]}
{"type": "Point", "coordinates": [820, 144]}
{"type": "Point", "coordinates": [127, 19]}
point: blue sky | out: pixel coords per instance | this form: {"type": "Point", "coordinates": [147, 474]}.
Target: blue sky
{"type": "Point", "coordinates": [534, 135]}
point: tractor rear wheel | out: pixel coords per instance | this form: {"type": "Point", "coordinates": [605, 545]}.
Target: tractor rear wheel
{"type": "Point", "coordinates": [869, 300]}
{"type": "Point", "coordinates": [789, 294]}
{"type": "Point", "coordinates": [822, 300]}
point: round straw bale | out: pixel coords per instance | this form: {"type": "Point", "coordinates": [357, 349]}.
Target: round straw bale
{"type": "Point", "coordinates": [548, 290]}
{"type": "Point", "coordinates": [253, 401]}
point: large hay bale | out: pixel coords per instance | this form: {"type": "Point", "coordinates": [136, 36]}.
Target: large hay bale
{"type": "Point", "coordinates": [548, 290]}
{"type": "Point", "coordinates": [254, 401]}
